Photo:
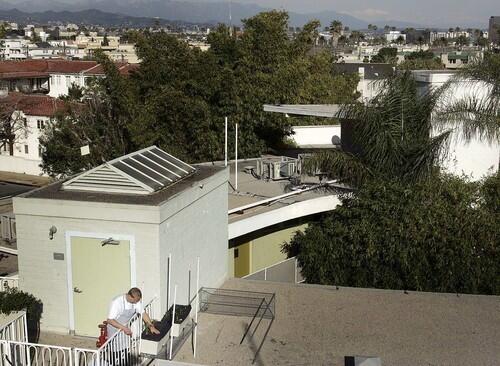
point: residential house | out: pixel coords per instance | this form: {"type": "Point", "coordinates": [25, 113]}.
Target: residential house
{"type": "Point", "coordinates": [30, 115]}
{"type": "Point", "coordinates": [54, 77]}
{"type": "Point", "coordinates": [14, 48]}
{"type": "Point", "coordinates": [24, 76]}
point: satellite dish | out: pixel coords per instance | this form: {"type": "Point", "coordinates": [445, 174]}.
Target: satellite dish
{"type": "Point", "coordinates": [335, 140]}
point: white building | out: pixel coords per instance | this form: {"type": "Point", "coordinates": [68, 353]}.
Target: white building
{"type": "Point", "coordinates": [370, 76]}
{"type": "Point", "coordinates": [31, 114]}
{"type": "Point", "coordinates": [14, 48]}
{"type": "Point", "coordinates": [83, 241]}
{"type": "Point", "coordinates": [393, 36]}
{"type": "Point", "coordinates": [476, 157]}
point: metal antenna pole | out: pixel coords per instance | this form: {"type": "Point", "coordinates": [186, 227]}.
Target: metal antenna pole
{"type": "Point", "coordinates": [230, 19]}
{"type": "Point", "coordinates": [225, 142]}
{"type": "Point", "coordinates": [197, 305]}
{"type": "Point", "coordinates": [236, 161]}
{"type": "Point", "coordinates": [173, 324]}
{"type": "Point", "coordinates": [169, 276]}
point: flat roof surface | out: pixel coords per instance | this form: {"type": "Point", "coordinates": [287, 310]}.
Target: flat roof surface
{"type": "Point", "coordinates": [12, 189]}
{"type": "Point", "coordinates": [319, 325]}
{"type": "Point", "coordinates": [252, 190]}
{"type": "Point", "coordinates": [54, 191]}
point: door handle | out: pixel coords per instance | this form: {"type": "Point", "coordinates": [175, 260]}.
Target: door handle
{"type": "Point", "coordinates": [77, 290]}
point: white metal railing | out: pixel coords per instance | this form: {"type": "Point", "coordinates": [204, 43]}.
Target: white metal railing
{"type": "Point", "coordinates": [121, 348]}
{"type": "Point", "coordinates": [9, 282]}
{"type": "Point", "coordinates": [151, 308]}
{"type": "Point", "coordinates": [33, 354]}
{"type": "Point", "coordinates": [118, 350]}
{"type": "Point", "coordinates": [287, 270]}
{"type": "Point", "coordinates": [15, 329]}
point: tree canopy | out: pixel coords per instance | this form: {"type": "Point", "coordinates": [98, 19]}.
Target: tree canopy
{"type": "Point", "coordinates": [179, 96]}
{"type": "Point", "coordinates": [437, 235]}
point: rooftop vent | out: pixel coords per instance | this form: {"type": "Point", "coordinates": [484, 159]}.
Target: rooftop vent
{"type": "Point", "coordinates": [142, 172]}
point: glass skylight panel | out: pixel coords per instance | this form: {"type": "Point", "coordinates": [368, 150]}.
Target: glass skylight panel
{"type": "Point", "coordinates": [137, 175]}
{"type": "Point", "coordinates": [142, 172]}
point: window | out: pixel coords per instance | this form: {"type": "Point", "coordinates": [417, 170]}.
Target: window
{"type": "Point", "coordinates": [40, 124]}
{"type": "Point", "coordinates": [40, 151]}
{"type": "Point", "coordinates": [26, 151]}
{"type": "Point", "coordinates": [236, 253]}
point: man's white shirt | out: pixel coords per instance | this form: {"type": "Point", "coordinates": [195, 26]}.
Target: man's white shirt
{"type": "Point", "coordinates": [120, 305]}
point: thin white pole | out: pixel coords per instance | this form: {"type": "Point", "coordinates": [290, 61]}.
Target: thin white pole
{"type": "Point", "coordinates": [225, 142]}
{"type": "Point", "coordinates": [173, 323]}
{"type": "Point", "coordinates": [169, 276]}
{"type": "Point", "coordinates": [197, 305]}
{"type": "Point", "coordinates": [236, 161]}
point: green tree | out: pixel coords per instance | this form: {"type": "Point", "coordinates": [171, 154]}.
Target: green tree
{"type": "Point", "coordinates": [386, 55]}
{"type": "Point", "coordinates": [336, 30]}
{"type": "Point", "coordinates": [438, 235]}
{"type": "Point", "coordinates": [421, 60]}
{"type": "Point", "coordinates": [462, 40]}
{"type": "Point", "coordinates": [356, 36]}
{"type": "Point", "coordinates": [178, 97]}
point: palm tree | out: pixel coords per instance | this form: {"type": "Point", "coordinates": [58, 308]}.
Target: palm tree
{"type": "Point", "coordinates": [477, 115]}
{"type": "Point", "coordinates": [336, 30]}
{"type": "Point", "coordinates": [390, 137]}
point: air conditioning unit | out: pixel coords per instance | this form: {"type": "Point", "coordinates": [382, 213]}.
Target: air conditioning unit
{"type": "Point", "coordinates": [276, 168]}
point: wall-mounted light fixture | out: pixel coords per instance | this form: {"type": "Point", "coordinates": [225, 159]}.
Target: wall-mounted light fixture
{"type": "Point", "coordinates": [110, 241]}
{"type": "Point", "coordinates": [52, 231]}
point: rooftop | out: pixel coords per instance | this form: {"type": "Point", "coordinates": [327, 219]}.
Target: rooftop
{"type": "Point", "coordinates": [43, 68]}
{"type": "Point", "coordinates": [319, 325]}
{"type": "Point", "coordinates": [371, 70]}
{"type": "Point", "coordinates": [33, 104]}
{"type": "Point", "coordinates": [54, 191]}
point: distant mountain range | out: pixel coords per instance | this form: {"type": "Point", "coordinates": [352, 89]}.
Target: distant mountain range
{"type": "Point", "coordinates": [91, 16]}
{"type": "Point", "coordinates": [200, 12]}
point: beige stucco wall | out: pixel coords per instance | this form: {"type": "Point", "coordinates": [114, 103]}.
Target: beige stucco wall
{"type": "Point", "coordinates": [195, 225]}
{"type": "Point", "coordinates": [47, 278]}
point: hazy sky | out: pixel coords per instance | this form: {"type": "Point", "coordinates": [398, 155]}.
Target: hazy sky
{"type": "Point", "coordinates": [418, 11]}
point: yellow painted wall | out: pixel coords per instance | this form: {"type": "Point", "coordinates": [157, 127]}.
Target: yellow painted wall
{"type": "Point", "coordinates": [261, 252]}
{"type": "Point", "coordinates": [266, 250]}
{"type": "Point", "coordinates": [243, 262]}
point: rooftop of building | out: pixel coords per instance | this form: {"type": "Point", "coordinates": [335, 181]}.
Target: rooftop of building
{"type": "Point", "coordinates": [54, 191]}
{"type": "Point", "coordinates": [43, 68]}
{"type": "Point", "coordinates": [319, 325]}
{"type": "Point", "coordinates": [33, 104]}
{"type": "Point", "coordinates": [256, 195]}
{"type": "Point", "coordinates": [371, 70]}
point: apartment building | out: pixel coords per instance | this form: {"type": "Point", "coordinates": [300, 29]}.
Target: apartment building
{"type": "Point", "coordinates": [494, 30]}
